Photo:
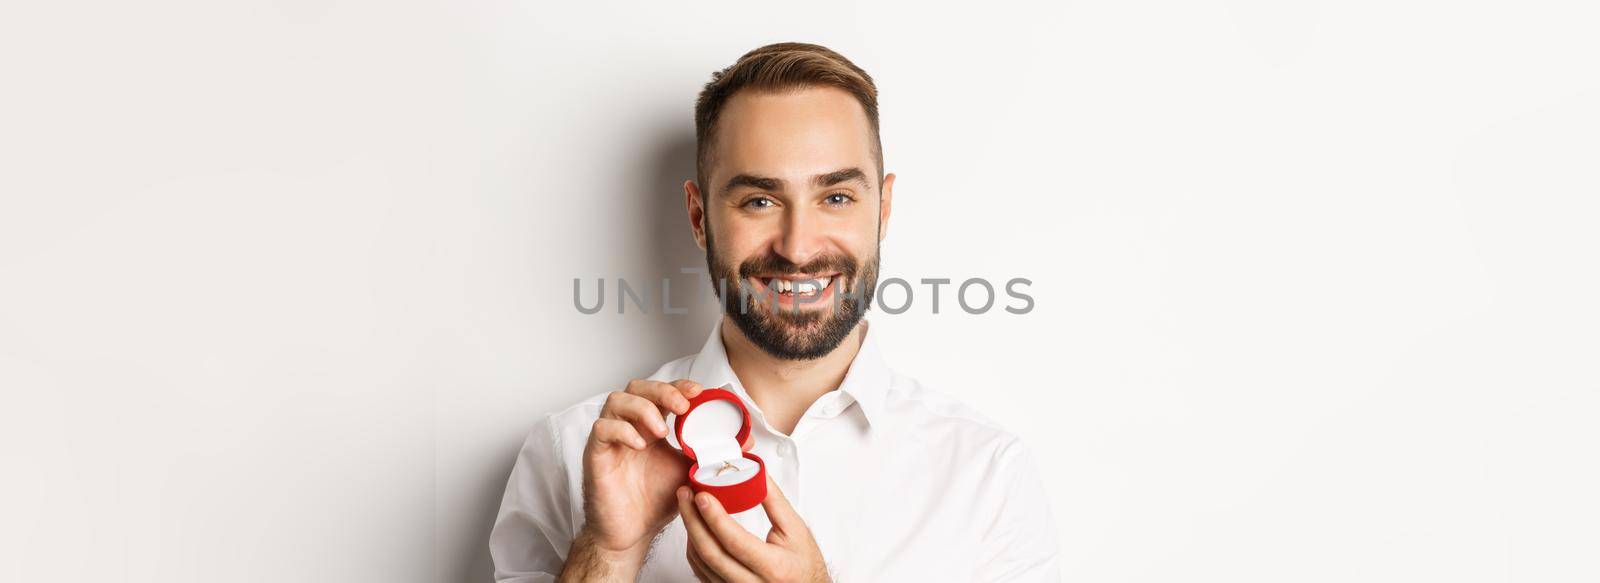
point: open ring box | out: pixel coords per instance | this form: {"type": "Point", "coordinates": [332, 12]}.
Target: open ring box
{"type": "Point", "coordinates": [710, 433]}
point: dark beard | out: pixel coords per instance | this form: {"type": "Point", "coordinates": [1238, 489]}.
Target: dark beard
{"type": "Point", "coordinates": [794, 334]}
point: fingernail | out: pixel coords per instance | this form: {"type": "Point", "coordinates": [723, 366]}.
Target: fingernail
{"type": "Point", "coordinates": [703, 501]}
{"type": "Point", "coordinates": [683, 494]}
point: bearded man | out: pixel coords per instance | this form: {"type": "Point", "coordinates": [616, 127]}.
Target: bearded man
{"type": "Point", "coordinates": [870, 476]}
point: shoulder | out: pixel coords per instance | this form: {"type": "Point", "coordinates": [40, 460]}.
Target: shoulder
{"type": "Point", "coordinates": [912, 400]}
{"type": "Point", "coordinates": [925, 414]}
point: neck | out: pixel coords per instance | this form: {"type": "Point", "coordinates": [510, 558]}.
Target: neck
{"type": "Point", "coordinates": [784, 389]}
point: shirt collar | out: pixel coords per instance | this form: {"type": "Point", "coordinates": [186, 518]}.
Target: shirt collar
{"type": "Point", "coordinates": [867, 380]}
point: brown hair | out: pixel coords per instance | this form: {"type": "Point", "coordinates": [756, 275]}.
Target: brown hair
{"type": "Point", "coordinates": [778, 67]}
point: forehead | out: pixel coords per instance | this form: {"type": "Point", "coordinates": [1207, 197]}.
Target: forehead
{"type": "Point", "coordinates": [791, 135]}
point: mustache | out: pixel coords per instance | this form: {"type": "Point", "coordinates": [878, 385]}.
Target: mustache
{"type": "Point", "coordinates": [772, 265]}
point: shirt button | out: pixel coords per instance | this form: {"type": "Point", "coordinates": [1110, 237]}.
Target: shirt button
{"type": "Point", "coordinates": [786, 448]}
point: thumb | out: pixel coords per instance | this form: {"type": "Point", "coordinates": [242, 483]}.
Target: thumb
{"type": "Point", "coordinates": [781, 514]}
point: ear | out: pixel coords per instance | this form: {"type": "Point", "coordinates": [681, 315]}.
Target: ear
{"type": "Point", "coordinates": [697, 212]}
{"type": "Point", "coordinates": [885, 205]}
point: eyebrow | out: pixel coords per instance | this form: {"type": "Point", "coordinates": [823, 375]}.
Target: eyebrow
{"type": "Point", "coordinates": [837, 176]}
{"type": "Point", "coordinates": [761, 182]}
{"type": "Point", "coordinates": [774, 184]}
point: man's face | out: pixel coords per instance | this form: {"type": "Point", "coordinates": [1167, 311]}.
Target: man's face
{"type": "Point", "coordinates": [792, 217]}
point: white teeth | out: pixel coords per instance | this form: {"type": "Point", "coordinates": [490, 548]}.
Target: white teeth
{"type": "Point", "coordinates": [803, 287]}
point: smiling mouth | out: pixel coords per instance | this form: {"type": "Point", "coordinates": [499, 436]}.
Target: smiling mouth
{"type": "Point", "coordinates": [789, 286]}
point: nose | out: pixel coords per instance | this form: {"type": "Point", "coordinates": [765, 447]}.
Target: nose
{"type": "Point", "coordinates": [801, 239]}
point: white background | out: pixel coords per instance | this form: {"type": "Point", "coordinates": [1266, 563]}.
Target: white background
{"type": "Point", "coordinates": [283, 284]}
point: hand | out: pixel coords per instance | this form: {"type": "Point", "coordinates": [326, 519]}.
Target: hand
{"type": "Point", "coordinates": [629, 471]}
{"type": "Point", "coordinates": [721, 550]}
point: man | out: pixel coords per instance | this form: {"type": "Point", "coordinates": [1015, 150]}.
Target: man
{"type": "Point", "coordinates": [871, 477]}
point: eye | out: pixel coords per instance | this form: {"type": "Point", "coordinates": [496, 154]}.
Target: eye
{"type": "Point", "coordinates": [838, 199]}
{"type": "Point", "coordinates": [759, 203]}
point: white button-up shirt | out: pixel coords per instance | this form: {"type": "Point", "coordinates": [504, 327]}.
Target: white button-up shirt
{"type": "Point", "coordinates": [896, 482]}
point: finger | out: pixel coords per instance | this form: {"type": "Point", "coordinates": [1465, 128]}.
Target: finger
{"type": "Point", "coordinates": [690, 388]}
{"type": "Point", "coordinates": [701, 572]}
{"type": "Point", "coordinates": [668, 397]}
{"type": "Point", "coordinates": [618, 432]}
{"type": "Point", "coordinates": [783, 516]}
{"type": "Point", "coordinates": [744, 547]}
{"type": "Point", "coordinates": [635, 409]}
{"type": "Point", "coordinates": [749, 442]}
{"type": "Point", "coordinates": [705, 544]}
{"type": "Point", "coordinates": [694, 563]}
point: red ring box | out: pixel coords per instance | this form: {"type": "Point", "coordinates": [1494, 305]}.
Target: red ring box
{"type": "Point", "coordinates": [717, 423]}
